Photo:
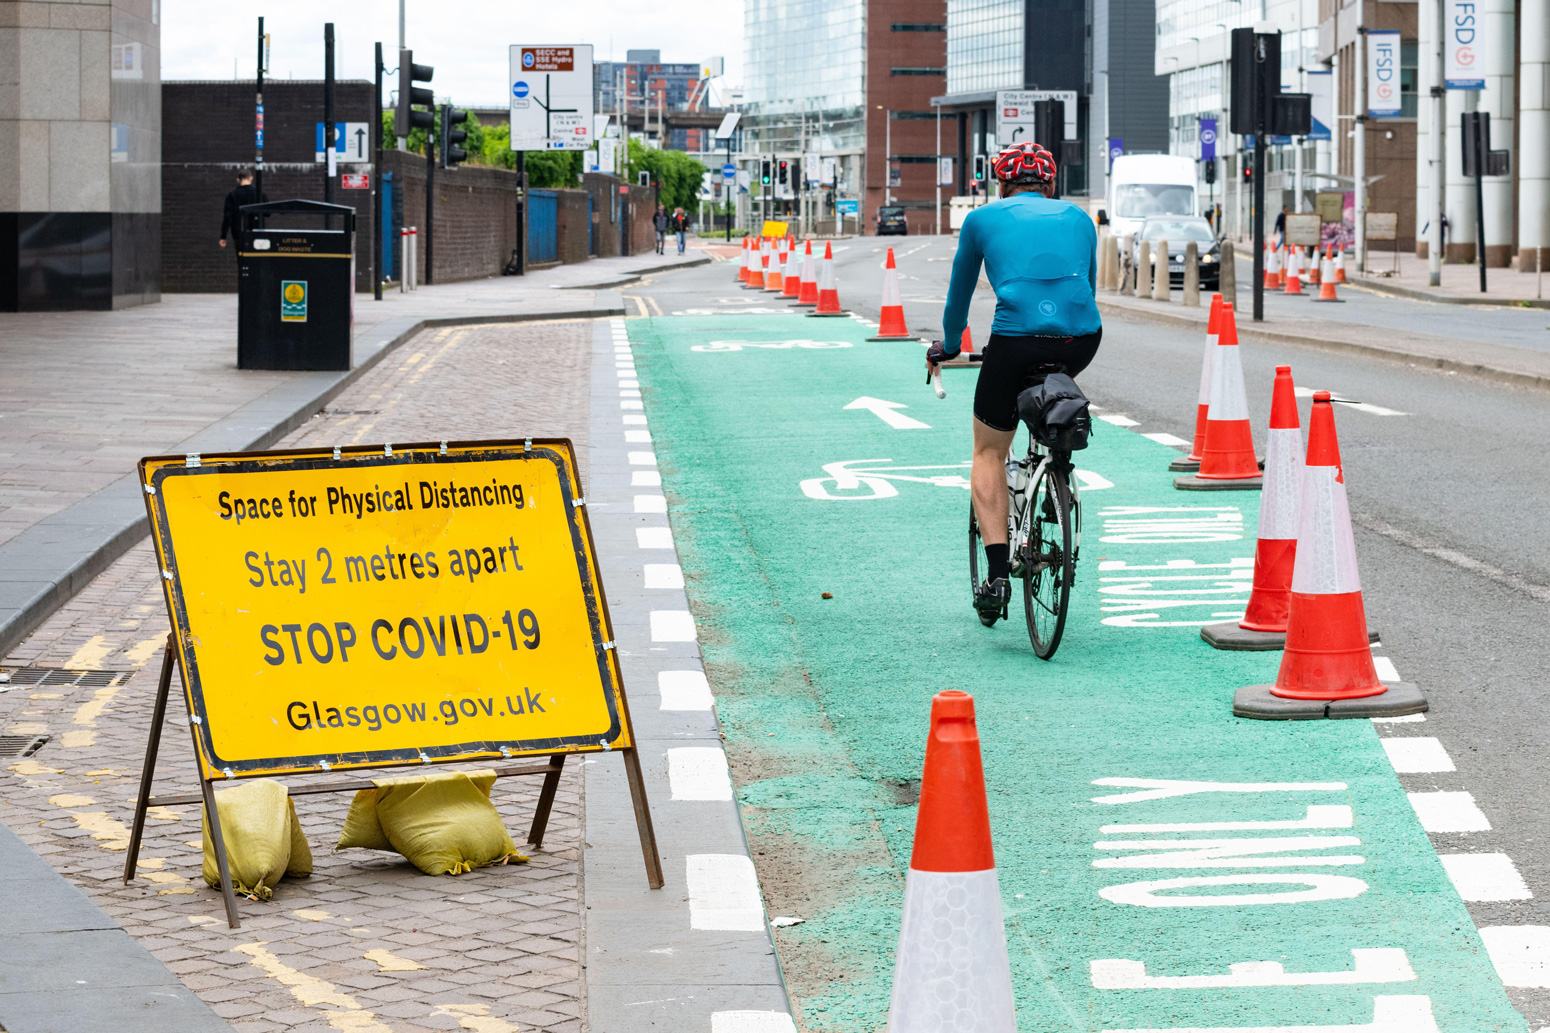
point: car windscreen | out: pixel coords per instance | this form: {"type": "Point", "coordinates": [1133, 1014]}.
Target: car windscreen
{"type": "Point", "coordinates": [1144, 200]}
{"type": "Point", "coordinates": [1179, 232]}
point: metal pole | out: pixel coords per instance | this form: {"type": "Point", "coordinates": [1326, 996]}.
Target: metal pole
{"type": "Point", "coordinates": [936, 229]}
{"type": "Point", "coordinates": [1476, 140]}
{"type": "Point", "coordinates": [729, 190]}
{"type": "Point", "coordinates": [328, 116]}
{"type": "Point", "coordinates": [521, 213]}
{"type": "Point", "coordinates": [1359, 141]}
{"type": "Point", "coordinates": [376, 183]}
{"type": "Point", "coordinates": [430, 197]}
{"type": "Point", "coordinates": [1439, 127]}
{"type": "Point", "coordinates": [1302, 87]}
{"type": "Point", "coordinates": [258, 132]}
{"type": "Point", "coordinates": [403, 142]}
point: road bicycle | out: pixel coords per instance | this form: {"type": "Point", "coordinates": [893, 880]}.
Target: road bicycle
{"type": "Point", "coordinates": [1044, 531]}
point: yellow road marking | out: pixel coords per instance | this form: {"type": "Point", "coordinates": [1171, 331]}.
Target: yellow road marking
{"type": "Point", "coordinates": [112, 832]}
{"type": "Point", "coordinates": [163, 814]}
{"type": "Point", "coordinates": [78, 740]}
{"type": "Point", "coordinates": [140, 652]}
{"type": "Point", "coordinates": [312, 992]}
{"type": "Point", "coordinates": [71, 800]}
{"type": "Point", "coordinates": [476, 1017]}
{"type": "Point", "coordinates": [312, 915]}
{"type": "Point", "coordinates": [389, 962]}
{"type": "Point", "coordinates": [202, 920]}
{"type": "Point", "coordinates": [88, 712]}
{"type": "Point", "coordinates": [45, 695]}
{"type": "Point", "coordinates": [90, 656]}
{"type": "Point", "coordinates": [32, 767]}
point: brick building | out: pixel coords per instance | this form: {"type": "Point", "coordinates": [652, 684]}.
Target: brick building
{"type": "Point", "coordinates": [906, 67]}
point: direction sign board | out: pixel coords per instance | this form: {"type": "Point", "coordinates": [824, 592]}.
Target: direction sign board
{"type": "Point", "coordinates": [551, 98]}
{"type": "Point", "coordinates": [390, 605]}
{"type": "Point", "coordinates": [352, 141]}
{"type": "Point", "coordinates": [1014, 113]}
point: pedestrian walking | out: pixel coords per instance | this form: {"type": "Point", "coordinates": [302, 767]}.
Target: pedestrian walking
{"type": "Point", "coordinates": [244, 193]}
{"type": "Point", "coordinates": [1280, 230]}
{"type": "Point", "coordinates": [660, 221]}
{"type": "Point", "coordinates": [680, 224]}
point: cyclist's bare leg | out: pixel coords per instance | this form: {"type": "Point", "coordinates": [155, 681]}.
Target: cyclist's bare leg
{"type": "Point", "coordinates": [987, 481]}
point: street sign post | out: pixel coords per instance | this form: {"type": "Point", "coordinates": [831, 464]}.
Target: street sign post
{"type": "Point", "coordinates": [551, 98]}
{"type": "Point", "coordinates": [1014, 114]}
{"type": "Point", "coordinates": [729, 171]}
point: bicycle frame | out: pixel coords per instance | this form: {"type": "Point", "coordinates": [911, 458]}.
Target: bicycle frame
{"type": "Point", "coordinates": [1020, 503]}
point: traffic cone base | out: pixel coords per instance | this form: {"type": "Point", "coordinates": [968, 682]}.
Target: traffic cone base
{"type": "Point", "coordinates": [1257, 701]}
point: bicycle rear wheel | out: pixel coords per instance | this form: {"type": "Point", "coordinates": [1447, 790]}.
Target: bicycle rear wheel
{"type": "Point", "coordinates": [1050, 563]}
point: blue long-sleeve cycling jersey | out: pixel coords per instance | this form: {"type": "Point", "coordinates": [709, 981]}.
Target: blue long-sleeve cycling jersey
{"type": "Point", "coordinates": [1039, 256]}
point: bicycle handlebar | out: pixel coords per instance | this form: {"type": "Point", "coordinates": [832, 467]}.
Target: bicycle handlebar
{"type": "Point", "coordinates": [934, 375]}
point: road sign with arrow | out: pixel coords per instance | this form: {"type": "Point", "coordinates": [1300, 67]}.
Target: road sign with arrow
{"type": "Point", "coordinates": [352, 142]}
{"type": "Point", "coordinates": [551, 98]}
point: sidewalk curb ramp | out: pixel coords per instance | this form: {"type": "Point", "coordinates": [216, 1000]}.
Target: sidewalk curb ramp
{"type": "Point", "coordinates": [1158, 314]}
{"type": "Point", "coordinates": [49, 562]}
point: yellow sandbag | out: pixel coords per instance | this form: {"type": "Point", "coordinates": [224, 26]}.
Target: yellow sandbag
{"type": "Point", "coordinates": [263, 839]}
{"type": "Point", "coordinates": [361, 827]}
{"type": "Point", "coordinates": [444, 826]}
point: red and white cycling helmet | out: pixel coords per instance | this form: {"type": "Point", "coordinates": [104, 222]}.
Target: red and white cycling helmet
{"type": "Point", "coordinates": [1025, 162]}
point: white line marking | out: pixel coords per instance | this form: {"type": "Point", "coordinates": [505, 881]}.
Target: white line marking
{"type": "Point", "coordinates": [672, 626]}
{"type": "Point", "coordinates": [1370, 965]}
{"type": "Point", "coordinates": [626, 382]}
{"type": "Point", "coordinates": [1319, 816]}
{"type": "Point", "coordinates": [650, 504]}
{"type": "Point", "coordinates": [1414, 755]}
{"type": "Point", "coordinates": [626, 392]}
{"type": "Point", "coordinates": [1367, 407]}
{"type": "Point", "coordinates": [1386, 669]}
{"type": "Point", "coordinates": [1163, 438]}
{"type": "Point", "coordinates": [627, 404]}
{"type": "Point", "coordinates": [664, 575]}
{"type": "Point", "coordinates": [885, 411]}
{"type": "Point", "coordinates": [684, 690]}
{"type": "Point", "coordinates": [751, 1022]}
{"type": "Point", "coordinates": [1404, 719]}
{"type": "Point", "coordinates": [1119, 420]}
{"type": "Point", "coordinates": [635, 419]}
{"type": "Point", "coordinates": [637, 437]}
{"type": "Point", "coordinates": [654, 537]}
{"type": "Point", "coordinates": [1485, 878]}
{"type": "Point", "coordinates": [1521, 954]}
{"type": "Point", "coordinates": [645, 479]}
{"type": "Point", "coordinates": [724, 893]}
{"type": "Point", "coordinates": [1391, 1014]}
{"type": "Point", "coordinates": [1449, 812]}
{"type": "Point", "coordinates": [643, 459]}
{"type": "Point", "coordinates": [698, 773]}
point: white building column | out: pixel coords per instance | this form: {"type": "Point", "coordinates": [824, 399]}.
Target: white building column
{"type": "Point", "coordinates": [1460, 190]}
{"type": "Point", "coordinates": [1500, 99]}
{"type": "Point", "coordinates": [1533, 158]}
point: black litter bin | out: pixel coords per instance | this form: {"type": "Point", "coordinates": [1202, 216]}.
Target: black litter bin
{"type": "Point", "coordinates": [295, 286]}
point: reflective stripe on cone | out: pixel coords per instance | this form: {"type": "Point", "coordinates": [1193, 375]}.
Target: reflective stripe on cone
{"type": "Point", "coordinates": [773, 276]}
{"type": "Point", "coordinates": [828, 290]}
{"type": "Point", "coordinates": [1293, 271]}
{"type": "Point", "coordinates": [793, 275]}
{"type": "Point", "coordinates": [807, 293]}
{"type": "Point", "coordinates": [761, 258]}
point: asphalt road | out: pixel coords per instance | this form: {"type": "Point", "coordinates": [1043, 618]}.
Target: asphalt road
{"type": "Point", "coordinates": [1453, 546]}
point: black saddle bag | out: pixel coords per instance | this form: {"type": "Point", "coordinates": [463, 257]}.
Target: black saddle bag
{"type": "Point", "coordinates": [1057, 414]}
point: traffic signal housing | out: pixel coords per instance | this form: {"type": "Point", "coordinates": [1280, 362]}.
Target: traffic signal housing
{"type": "Point", "coordinates": [980, 161]}
{"type": "Point", "coordinates": [1210, 171]}
{"type": "Point", "coordinates": [785, 171]}
{"type": "Point", "coordinates": [405, 118]}
{"type": "Point", "coordinates": [1248, 173]}
{"type": "Point", "coordinates": [764, 172]}
{"type": "Point", "coordinates": [452, 134]}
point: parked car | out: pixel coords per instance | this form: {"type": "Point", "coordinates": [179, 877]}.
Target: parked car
{"type": "Point", "coordinates": [1179, 231]}
{"type": "Point", "coordinates": [890, 221]}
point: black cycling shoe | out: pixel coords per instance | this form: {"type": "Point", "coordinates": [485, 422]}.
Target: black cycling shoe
{"type": "Point", "coordinates": [991, 598]}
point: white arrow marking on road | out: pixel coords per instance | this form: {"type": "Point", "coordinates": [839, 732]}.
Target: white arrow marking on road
{"type": "Point", "coordinates": [885, 412]}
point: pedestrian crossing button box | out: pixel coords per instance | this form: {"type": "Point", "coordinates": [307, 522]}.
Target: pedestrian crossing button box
{"type": "Point", "coordinates": [295, 286]}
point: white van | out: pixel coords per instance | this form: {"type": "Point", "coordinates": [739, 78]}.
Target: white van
{"type": "Point", "coordinates": [1146, 185]}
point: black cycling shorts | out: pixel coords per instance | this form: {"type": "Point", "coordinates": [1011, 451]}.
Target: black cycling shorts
{"type": "Point", "coordinates": [1011, 364]}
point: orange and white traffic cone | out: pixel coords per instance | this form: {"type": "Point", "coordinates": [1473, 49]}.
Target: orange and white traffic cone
{"type": "Point", "coordinates": [807, 293]}
{"type": "Point", "coordinates": [966, 342]}
{"type": "Point", "coordinates": [1191, 462]}
{"type": "Point", "coordinates": [742, 263]}
{"type": "Point", "coordinates": [828, 290]}
{"type": "Point", "coordinates": [761, 263]}
{"type": "Point", "coordinates": [1270, 267]}
{"type": "Point", "coordinates": [1327, 281]}
{"type": "Point", "coordinates": [1315, 273]}
{"type": "Point", "coordinates": [952, 971]}
{"type": "Point", "coordinates": [1327, 668]}
{"type": "Point", "coordinates": [890, 325]}
{"type": "Point", "coordinates": [1293, 271]}
{"type": "Point", "coordinates": [773, 276]}
{"type": "Point", "coordinates": [792, 279]}
{"type": "Point", "coordinates": [1339, 264]}
{"type": "Point", "coordinates": [1264, 620]}
{"type": "Point", "coordinates": [1227, 461]}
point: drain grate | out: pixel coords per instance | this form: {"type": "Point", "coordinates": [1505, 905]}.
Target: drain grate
{"type": "Point", "coordinates": [21, 746]}
{"type": "Point", "coordinates": [35, 676]}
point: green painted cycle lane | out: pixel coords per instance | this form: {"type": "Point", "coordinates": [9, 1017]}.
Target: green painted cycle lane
{"type": "Point", "coordinates": [1163, 865]}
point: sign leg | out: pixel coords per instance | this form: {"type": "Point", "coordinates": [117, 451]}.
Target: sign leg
{"type": "Point", "coordinates": [148, 772]}
{"type": "Point", "coordinates": [648, 835]}
{"type": "Point", "coordinates": [213, 816]}
{"type": "Point", "coordinates": [535, 836]}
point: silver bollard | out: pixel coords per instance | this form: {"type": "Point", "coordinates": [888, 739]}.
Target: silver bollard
{"type": "Point", "coordinates": [1162, 285]}
{"type": "Point", "coordinates": [1144, 270]}
{"type": "Point", "coordinates": [1192, 275]}
{"type": "Point", "coordinates": [1228, 285]}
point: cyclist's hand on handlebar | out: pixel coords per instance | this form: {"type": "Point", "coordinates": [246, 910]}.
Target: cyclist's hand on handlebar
{"type": "Point", "coordinates": [935, 355]}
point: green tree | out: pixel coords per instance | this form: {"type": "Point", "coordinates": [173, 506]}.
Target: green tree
{"type": "Point", "coordinates": [677, 175]}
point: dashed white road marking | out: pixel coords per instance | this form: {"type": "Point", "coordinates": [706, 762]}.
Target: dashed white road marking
{"type": "Point", "coordinates": [634, 419]}
{"type": "Point", "coordinates": [1449, 812]}
{"type": "Point", "coordinates": [1403, 719]}
{"type": "Point", "coordinates": [723, 893]}
{"type": "Point", "coordinates": [1485, 878]}
{"type": "Point", "coordinates": [672, 626]}
{"type": "Point", "coordinates": [1369, 965]}
{"type": "Point", "coordinates": [1521, 954]}
{"type": "Point", "coordinates": [751, 1022]}
{"type": "Point", "coordinates": [645, 479]}
{"type": "Point", "coordinates": [1119, 419]}
{"type": "Point", "coordinates": [1386, 669]}
{"type": "Point", "coordinates": [698, 773]}
{"type": "Point", "coordinates": [1162, 438]}
{"type": "Point", "coordinates": [643, 459]}
{"type": "Point", "coordinates": [654, 537]}
{"type": "Point", "coordinates": [1349, 403]}
{"type": "Point", "coordinates": [1390, 1014]}
{"type": "Point", "coordinates": [684, 690]}
{"type": "Point", "coordinates": [637, 437]}
{"type": "Point", "coordinates": [664, 575]}
{"type": "Point", "coordinates": [629, 404]}
{"type": "Point", "coordinates": [650, 504]}
{"type": "Point", "coordinates": [1415, 755]}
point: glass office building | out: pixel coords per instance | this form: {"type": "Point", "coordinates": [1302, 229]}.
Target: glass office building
{"type": "Point", "coordinates": [804, 75]}
{"type": "Point", "coordinates": [984, 45]}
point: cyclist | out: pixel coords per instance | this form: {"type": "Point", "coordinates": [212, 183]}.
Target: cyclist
{"type": "Point", "coordinates": [1040, 257]}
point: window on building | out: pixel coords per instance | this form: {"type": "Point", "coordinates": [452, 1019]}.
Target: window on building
{"type": "Point", "coordinates": [1409, 52]}
{"type": "Point", "coordinates": [915, 159]}
{"type": "Point", "coordinates": [905, 116]}
{"type": "Point", "coordinates": [917, 27]}
{"type": "Point", "coordinates": [917, 71]}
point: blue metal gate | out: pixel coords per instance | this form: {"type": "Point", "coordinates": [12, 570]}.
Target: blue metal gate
{"type": "Point", "coordinates": [389, 229]}
{"type": "Point", "coordinates": [543, 226]}
{"type": "Point", "coordinates": [591, 228]}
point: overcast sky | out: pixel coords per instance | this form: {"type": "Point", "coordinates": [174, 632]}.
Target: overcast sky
{"type": "Point", "coordinates": [465, 40]}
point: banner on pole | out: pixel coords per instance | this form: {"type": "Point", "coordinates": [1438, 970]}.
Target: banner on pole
{"type": "Point", "coordinates": [1208, 139]}
{"type": "Point", "coordinates": [1321, 88]}
{"type": "Point", "coordinates": [1463, 45]}
{"type": "Point", "coordinates": [1383, 92]}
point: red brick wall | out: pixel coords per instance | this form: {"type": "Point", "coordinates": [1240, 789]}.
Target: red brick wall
{"type": "Point", "coordinates": [476, 216]}
{"type": "Point", "coordinates": [886, 50]}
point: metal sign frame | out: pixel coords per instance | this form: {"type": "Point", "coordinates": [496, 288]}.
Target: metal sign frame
{"type": "Point", "coordinates": [182, 643]}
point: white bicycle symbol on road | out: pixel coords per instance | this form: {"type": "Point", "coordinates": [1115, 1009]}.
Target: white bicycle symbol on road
{"type": "Point", "coordinates": [858, 480]}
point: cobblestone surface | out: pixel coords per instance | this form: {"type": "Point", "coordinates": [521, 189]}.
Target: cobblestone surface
{"type": "Point", "coordinates": [367, 942]}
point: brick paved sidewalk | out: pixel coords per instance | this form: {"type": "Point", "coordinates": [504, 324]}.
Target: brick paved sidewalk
{"type": "Point", "coordinates": [367, 943]}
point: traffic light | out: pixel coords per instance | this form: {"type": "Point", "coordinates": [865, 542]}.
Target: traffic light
{"type": "Point", "coordinates": [405, 118]}
{"type": "Point", "coordinates": [643, 178]}
{"type": "Point", "coordinates": [784, 171]}
{"type": "Point", "coordinates": [979, 168]}
{"type": "Point", "coordinates": [452, 134]}
{"type": "Point", "coordinates": [1248, 173]}
{"type": "Point", "coordinates": [764, 172]}
{"type": "Point", "coordinates": [1210, 172]}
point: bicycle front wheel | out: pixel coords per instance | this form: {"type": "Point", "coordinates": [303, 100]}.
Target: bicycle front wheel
{"type": "Point", "coordinates": [1049, 565]}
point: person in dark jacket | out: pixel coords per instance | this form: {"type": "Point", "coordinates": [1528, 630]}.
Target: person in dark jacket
{"type": "Point", "coordinates": [680, 225]}
{"type": "Point", "coordinates": [659, 220]}
{"type": "Point", "coordinates": [244, 193]}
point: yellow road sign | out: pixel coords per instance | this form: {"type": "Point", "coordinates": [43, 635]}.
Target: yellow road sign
{"type": "Point", "coordinates": [775, 229]}
{"type": "Point", "coordinates": [386, 605]}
